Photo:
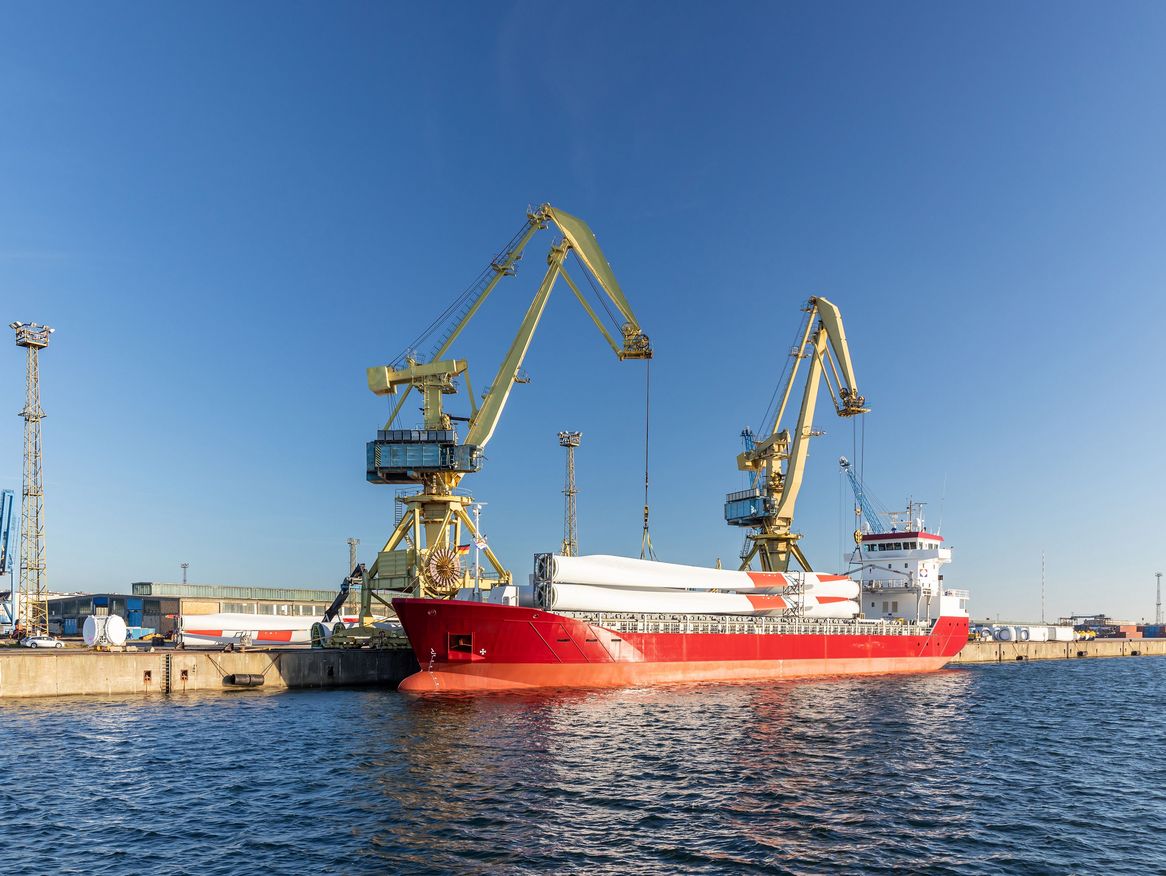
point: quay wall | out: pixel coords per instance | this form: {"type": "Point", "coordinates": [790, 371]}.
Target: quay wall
{"type": "Point", "coordinates": [27, 673]}
{"type": "Point", "coordinates": [1017, 652]}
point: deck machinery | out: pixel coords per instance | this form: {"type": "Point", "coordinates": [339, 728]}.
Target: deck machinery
{"type": "Point", "coordinates": [422, 555]}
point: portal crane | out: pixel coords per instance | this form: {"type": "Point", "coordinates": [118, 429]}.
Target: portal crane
{"type": "Point", "coordinates": [776, 461]}
{"type": "Point", "coordinates": [421, 556]}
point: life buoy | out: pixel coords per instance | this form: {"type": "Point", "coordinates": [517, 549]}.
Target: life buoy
{"type": "Point", "coordinates": [923, 572]}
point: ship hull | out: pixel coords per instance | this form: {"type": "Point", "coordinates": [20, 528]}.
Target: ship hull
{"type": "Point", "coordinates": [470, 646]}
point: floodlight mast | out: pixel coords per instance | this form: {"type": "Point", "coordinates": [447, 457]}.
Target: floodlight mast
{"type": "Point", "coordinates": [33, 584]}
{"type": "Point", "coordinates": [570, 440]}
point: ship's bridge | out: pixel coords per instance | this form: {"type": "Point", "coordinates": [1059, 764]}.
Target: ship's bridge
{"type": "Point", "coordinates": [901, 575]}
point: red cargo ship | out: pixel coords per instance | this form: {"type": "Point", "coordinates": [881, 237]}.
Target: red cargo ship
{"type": "Point", "coordinates": [476, 646]}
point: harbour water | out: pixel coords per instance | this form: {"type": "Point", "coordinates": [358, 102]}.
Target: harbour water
{"type": "Point", "coordinates": [1022, 768]}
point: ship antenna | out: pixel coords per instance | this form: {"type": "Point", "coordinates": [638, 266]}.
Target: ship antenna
{"type": "Point", "coordinates": [942, 497]}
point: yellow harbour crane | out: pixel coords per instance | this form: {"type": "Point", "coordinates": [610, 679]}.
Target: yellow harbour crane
{"type": "Point", "coordinates": [421, 556]}
{"type": "Point", "coordinates": [777, 460]}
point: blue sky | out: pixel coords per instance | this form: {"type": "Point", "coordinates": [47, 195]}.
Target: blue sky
{"type": "Point", "coordinates": [229, 212]}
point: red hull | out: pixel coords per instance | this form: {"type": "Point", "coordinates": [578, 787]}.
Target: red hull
{"type": "Point", "coordinates": [471, 646]}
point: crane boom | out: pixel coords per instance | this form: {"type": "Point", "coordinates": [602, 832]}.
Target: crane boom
{"type": "Point", "coordinates": [777, 461]}
{"type": "Point", "coordinates": [483, 423]}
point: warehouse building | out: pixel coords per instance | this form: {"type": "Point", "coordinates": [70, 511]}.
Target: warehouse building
{"type": "Point", "coordinates": [149, 604]}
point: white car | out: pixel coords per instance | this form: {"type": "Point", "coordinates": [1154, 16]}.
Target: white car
{"type": "Point", "coordinates": [42, 642]}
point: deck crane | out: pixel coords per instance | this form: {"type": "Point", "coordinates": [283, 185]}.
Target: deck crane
{"type": "Point", "coordinates": [776, 461]}
{"type": "Point", "coordinates": [865, 509]}
{"type": "Point", "coordinates": [420, 557]}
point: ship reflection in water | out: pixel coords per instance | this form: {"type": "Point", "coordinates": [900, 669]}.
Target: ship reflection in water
{"type": "Point", "coordinates": [1028, 768]}
{"type": "Point", "coordinates": [681, 777]}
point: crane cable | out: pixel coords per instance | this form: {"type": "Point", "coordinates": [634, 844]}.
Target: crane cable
{"type": "Point", "coordinates": [646, 551]}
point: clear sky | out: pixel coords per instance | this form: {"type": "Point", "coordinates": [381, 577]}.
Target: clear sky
{"type": "Point", "coordinates": [228, 211]}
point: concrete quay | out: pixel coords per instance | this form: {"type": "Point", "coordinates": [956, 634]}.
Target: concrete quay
{"type": "Point", "coordinates": [1017, 652]}
{"type": "Point", "coordinates": [28, 673]}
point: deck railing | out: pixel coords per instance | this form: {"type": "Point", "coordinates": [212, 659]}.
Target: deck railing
{"type": "Point", "coordinates": [745, 624]}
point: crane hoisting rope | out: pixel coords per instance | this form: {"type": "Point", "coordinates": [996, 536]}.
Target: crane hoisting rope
{"type": "Point", "coordinates": [646, 551]}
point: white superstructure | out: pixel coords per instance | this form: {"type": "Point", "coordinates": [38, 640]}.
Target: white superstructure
{"type": "Point", "coordinates": [901, 575]}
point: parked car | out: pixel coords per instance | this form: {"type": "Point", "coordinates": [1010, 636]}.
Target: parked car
{"type": "Point", "coordinates": [42, 642]}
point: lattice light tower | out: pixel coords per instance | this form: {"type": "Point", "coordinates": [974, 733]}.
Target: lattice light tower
{"type": "Point", "coordinates": [1158, 604]}
{"type": "Point", "coordinates": [352, 560]}
{"type": "Point", "coordinates": [32, 587]}
{"type": "Point", "coordinates": [570, 440]}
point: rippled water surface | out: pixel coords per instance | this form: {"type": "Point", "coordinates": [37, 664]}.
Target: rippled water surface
{"type": "Point", "coordinates": [1037, 768]}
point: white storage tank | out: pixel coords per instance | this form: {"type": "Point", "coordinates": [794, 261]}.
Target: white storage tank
{"type": "Point", "coordinates": [104, 630]}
